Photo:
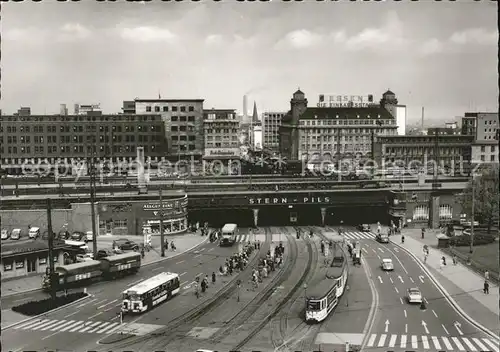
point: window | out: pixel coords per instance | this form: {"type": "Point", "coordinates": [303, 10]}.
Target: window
{"type": "Point", "coordinates": [174, 128]}
{"type": "Point", "coordinates": [183, 109]}
{"type": "Point", "coordinates": [157, 109]}
{"type": "Point", "coordinates": [174, 108]}
{"type": "Point", "coordinates": [165, 109]}
{"type": "Point", "coordinates": [421, 212]}
{"type": "Point", "coordinates": [175, 118]}
{"type": "Point", "coordinates": [492, 158]}
{"type": "Point", "coordinates": [7, 264]}
{"type": "Point", "coordinates": [120, 223]}
{"type": "Point", "coordinates": [482, 158]}
{"type": "Point", "coordinates": [445, 211]}
{"type": "Point", "coordinates": [191, 108]}
{"type": "Point", "coordinates": [148, 108]}
{"type": "Point", "coordinates": [492, 148]}
{"type": "Point", "coordinates": [483, 149]}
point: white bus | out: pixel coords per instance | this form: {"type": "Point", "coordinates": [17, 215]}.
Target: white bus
{"type": "Point", "coordinates": [228, 236]}
{"type": "Point", "coordinates": [151, 292]}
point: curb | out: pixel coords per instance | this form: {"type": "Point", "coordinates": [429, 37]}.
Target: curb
{"type": "Point", "coordinates": [448, 297]}
{"type": "Point", "coordinates": [50, 311]}
{"type": "Point", "coordinates": [150, 263]}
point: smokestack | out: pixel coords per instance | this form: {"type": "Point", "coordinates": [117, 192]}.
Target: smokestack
{"type": "Point", "coordinates": [422, 118]}
{"type": "Point", "coordinates": [245, 109]}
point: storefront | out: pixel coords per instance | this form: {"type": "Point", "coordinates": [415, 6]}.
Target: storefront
{"type": "Point", "coordinates": [139, 217]}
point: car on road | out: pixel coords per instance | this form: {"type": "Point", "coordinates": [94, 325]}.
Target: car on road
{"type": "Point", "coordinates": [34, 232]}
{"type": "Point", "coordinates": [382, 238]}
{"type": "Point", "coordinates": [364, 227]}
{"type": "Point", "coordinates": [125, 244]}
{"type": "Point", "coordinates": [103, 253]}
{"type": "Point", "coordinates": [414, 295]}
{"type": "Point", "coordinates": [79, 236]}
{"type": "Point", "coordinates": [387, 265]}
{"type": "Point", "coordinates": [5, 234]}
{"type": "Point", "coordinates": [15, 234]}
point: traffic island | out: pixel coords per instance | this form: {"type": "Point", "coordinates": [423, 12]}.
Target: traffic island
{"type": "Point", "coordinates": [114, 338]}
{"type": "Point", "coordinates": [34, 308]}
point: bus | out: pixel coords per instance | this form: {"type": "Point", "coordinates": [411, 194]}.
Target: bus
{"type": "Point", "coordinates": [151, 292]}
{"type": "Point", "coordinates": [228, 236]}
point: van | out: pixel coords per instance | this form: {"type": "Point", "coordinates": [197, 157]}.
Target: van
{"type": "Point", "coordinates": [16, 234]}
{"type": "Point", "coordinates": [90, 236]}
{"type": "Point", "coordinates": [34, 232]}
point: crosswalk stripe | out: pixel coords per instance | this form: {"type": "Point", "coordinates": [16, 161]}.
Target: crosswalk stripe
{"type": "Point", "coordinates": [480, 344]}
{"type": "Point", "coordinates": [425, 342]}
{"type": "Point", "coordinates": [33, 324]}
{"type": "Point", "coordinates": [491, 344]}
{"type": "Point", "coordinates": [414, 341]}
{"type": "Point", "coordinates": [447, 343]}
{"type": "Point", "coordinates": [436, 343]}
{"type": "Point", "coordinates": [58, 327]}
{"type": "Point", "coordinates": [77, 327]}
{"type": "Point", "coordinates": [371, 341]}
{"type": "Point", "coordinates": [392, 342]}
{"type": "Point", "coordinates": [54, 323]}
{"type": "Point", "coordinates": [39, 326]}
{"type": "Point", "coordinates": [114, 329]}
{"type": "Point", "coordinates": [27, 323]}
{"type": "Point", "coordinates": [99, 327]}
{"type": "Point", "coordinates": [67, 327]}
{"type": "Point", "coordinates": [381, 342]}
{"type": "Point", "coordinates": [469, 344]}
{"type": "Point", "coordinates": [107, 328]}
{"type": "Point", "coordinates": [403, 341]}
{"type": "Point", "coordinates": [90, 326]}
{"type": "Point", "coordinates": [457, 342]}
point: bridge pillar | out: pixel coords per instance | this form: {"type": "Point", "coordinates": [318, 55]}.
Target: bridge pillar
{"type": "Point", "coordinates": [255, 216]}
{"type": "Point", "coordinates": [434, 212]}
{"type": "Point", "coordinates": [323, 214]}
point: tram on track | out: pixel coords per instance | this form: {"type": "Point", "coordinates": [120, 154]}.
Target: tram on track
{"type": "Point", "coordinates": [327, 286]}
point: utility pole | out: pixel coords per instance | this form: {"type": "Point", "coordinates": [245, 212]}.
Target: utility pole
{"type": "Point", "coordinates": [52, 275]}
{"type": "Point", "coordinates": [92, 206]}
{"type": "Point", "coordinates": [471, 249]}
{"type": "Point", "coordinates": [162, 235]}
{"type": "Point", "coordinates": [339, 134]}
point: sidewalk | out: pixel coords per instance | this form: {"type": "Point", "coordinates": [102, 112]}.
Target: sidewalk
{"type": "Point", "coordinates": [463, 284]}
{"type": "Point", "coordinates": [183, 243]}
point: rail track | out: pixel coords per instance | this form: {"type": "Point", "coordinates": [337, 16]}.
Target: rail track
{"type": "Point", "coordinates": [157, 340]}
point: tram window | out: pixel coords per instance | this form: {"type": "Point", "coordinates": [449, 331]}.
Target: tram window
{"type": "Point", "coordinates": [314, 305]}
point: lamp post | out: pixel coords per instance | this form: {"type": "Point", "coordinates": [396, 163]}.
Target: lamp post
{"type": "Point", "coordinates": [305, 294]}
{"type": "Point", "coordinates": [471, 249]}
{"type": "Point", "coordinates": [378, 123]}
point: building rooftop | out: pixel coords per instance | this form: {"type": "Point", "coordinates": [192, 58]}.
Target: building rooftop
{"type": "Point", "coordinates": [138, 100]}
{"type": "Point", "coordinates": [347, 113]}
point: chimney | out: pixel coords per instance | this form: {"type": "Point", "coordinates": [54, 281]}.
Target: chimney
{"type": "Point", "coordinates": [245, 109]}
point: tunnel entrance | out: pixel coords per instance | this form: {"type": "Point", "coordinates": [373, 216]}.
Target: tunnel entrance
{"type": "Point", "coordinates": [218, 217]}
{"type": "Point", "coordinates": [356, 215]}
{"type": "Point", "coordinates": [296, 215]}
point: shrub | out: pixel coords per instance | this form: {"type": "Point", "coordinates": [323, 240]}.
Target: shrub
{"type": "Point", "coordinates": [33, 308]}
{"type": "Point", "coordinates": [464, 240]}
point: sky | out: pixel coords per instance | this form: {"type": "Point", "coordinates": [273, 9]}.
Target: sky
{"type": "Point", "coordinates": [437, 55]}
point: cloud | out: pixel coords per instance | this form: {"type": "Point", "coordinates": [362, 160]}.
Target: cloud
{"type": "Point", "coordinates": [431, 46]}
{"type": "Point", "coordinates": [214, 40]}
{"type": "Point", "coordinates": [300, 39]}
{"type": "Point", "coordinates": [474, 36]}
{"type": "Point", "coordinates": [148, 34]}
{"type": "Point", "coordinates": [73, 31]}
{"type": "Point", "coordinates": [23, 34]}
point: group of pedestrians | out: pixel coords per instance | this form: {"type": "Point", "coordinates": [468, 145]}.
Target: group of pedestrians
{"type": "Point", "coordinates": [267, 265]}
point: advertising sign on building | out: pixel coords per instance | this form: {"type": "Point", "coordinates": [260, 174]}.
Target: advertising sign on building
{"type": "Point", "coordinates": [222, 152]}
{"type": "Point", "coordinates": [345, 101]}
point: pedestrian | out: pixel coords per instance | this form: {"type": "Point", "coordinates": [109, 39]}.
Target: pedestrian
{"type": "Point", "coordinates": [454, 258]}
{"type": "Point", "coordinates": [172, 246]}
{"type": "Point", "coordinates": [322, 247]}
{"type": "Point", "coordinates": [166, 245]}
{"type": "Point", "coordinates": [486, 275]}
{"type": "Point", "coordinates": [203, 286]}
{"type": "Point", "coordinates": [423, 232]}
{"type": "Point", "coordinates": [402, 238]}
{"type": "Point", "coordinates": [444, 260]}
{"type": "Point", "coordinates": [486, 288]}
{"type": "Point", "coordinates": [213, 277]}
{"type": "Point", "coordinates": [441, 264]}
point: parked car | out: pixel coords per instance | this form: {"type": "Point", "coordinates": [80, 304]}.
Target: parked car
{"type": "Point", "coordinates": [79, 236]}
{"type": "Point", "coordinates": [125, 244]}
{"type": "Point", "coordinates": [16, 234]}
{"type": "Point", "coordinates": [414, 295]}
{"type": "Point", "coordinates": [387, 265]}
{"type": "Point", "coordinates": [90, 236]}
{"type": "Point", "coordinates": [103, 253]}
{"type": "Point", "coordinates": [34, 233]}
{"type": "Point", "coordinates": [364, 227]}
{"type": "Point", "coordinates": [382, 238]}
{"type": "Point", "coordinates": [5, 234]}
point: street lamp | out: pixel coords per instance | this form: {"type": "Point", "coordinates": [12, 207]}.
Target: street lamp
{"type": "Point", "coordinates": [471, 250]}
{"type": "Point", "coordinates": [305, 293]}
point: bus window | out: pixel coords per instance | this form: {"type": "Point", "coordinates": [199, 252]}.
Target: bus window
{"type": "Point", "coordinates": [314, 305]}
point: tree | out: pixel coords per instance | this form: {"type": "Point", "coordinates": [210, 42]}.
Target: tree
{"type": "Point", "coordinates": [486, 197]}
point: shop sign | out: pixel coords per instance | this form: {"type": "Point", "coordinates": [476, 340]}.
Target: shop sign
{"type": "Point", "coordinates": [222, 152]}
{"type": "Point", "coordinates": [165, 205]}
{"type": "Point", "coordinates": [289, 200]}
{"type": "Point", "coordinates": [339, 101]}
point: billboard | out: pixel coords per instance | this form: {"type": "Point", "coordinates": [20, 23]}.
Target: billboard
{"type": "Point", "coordinates": [345, 101]}
{"type": "Point", "coordinates": [401, 119]}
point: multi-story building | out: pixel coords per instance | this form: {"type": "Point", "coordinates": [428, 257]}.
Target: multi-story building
{"type": "Point", "coordinates": [271, 122]}
{"type": "Point", "coordinates": [432, 131]}
{"type": "Point", "coordinates": [449, 152]}
{"type": "Point", "coordinates": [324, 132]}
{"type": "Point", "coordinates": [483, 126]}
{"type": "Point", "coordinates": [183, 120]}
{"type": "Point", "coordinates": [51, 139]}
{"type": "Point", "coordinates": [221, 133]}
{"type": "Point", "coordinates": [84, 109]}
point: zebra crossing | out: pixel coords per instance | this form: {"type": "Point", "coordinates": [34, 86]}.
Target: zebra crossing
{"type": "Point", "coordinates": [260, 237]}
{"type": "Point", "coordinates": [87, 326]}
{"type": "Point", "coordinates": [435, 343]}
{"type": "Point", "coordinates": [358, 235]}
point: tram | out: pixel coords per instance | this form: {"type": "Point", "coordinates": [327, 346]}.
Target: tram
{"type": "Point", "coordinates": [327, 286]}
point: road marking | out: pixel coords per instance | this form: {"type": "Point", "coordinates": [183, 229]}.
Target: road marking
{"type": "Point", "coordinates": [184, 273]}
{"type": "Point", "coordinates": [480, 344]}
{"type": "Point", "coordinates": [392, 341]}
{"type": "Point", "coordinates": [182, 261]}
{"type": "Point", "coordinates": [401, 279]}
{"type": "Point", "coordinates": [54, 323]}
{"type": "Point", "coordinates": [75, 312]}
{"type": "Point", "coordinates": [380, 279]}
{"type": "Point", "coordinates": [491, 344]}
{"type": "Point", "coordinates": [104, 300]}
{"type": "Point", "coordinates": [378, 256]}
{"type": "Point", "coordinates": [107, 327]}
{"type": "Point", "coordinates": [27, 323]}
{"type": "Point", "coordinates": [421, 278]}
{"type": "Point", "coordinates": [381, 342]}
{"type": "Point", "coordinates": [457, 342]}
{"type": "Point", "coordinates": [201, 250]}
{"type": "Point", "coordinates": [425, 342]}
{"type": "Point", "coordinates": [445, 329]}
{"type": "Point", "coordinates": [401, 300]}
{"type": "Point", "coordinates": [99, 327]}
{"type": "Point", "coordinates": [434, 313]}
{"type": "Point", "coordinates": [198, 255]}
{"type": "Point", "coordinates": [406, 271]}
{"type": "Point", "coordinates": [405, 313]}
{"type": "Point", "coordinates": [396, 289]}
{"type": "Point", "coordinates": [414, 341]}
{"type": "Point", "coordinates": [83, 304]}
{"type": "Point", "coordinates": [111, 308]}
{"type": "Point", "coordinates": [436, 343]}
{"type": "Point", "coordinates": [396, 250]}
{"type": "Point", "coordinates": [390, 278]}
{"type": "Point", "coordinates": [374, 251]}
{"type": "Point", "coordinates": [135, 282]}
{"type": "Point", "coordinates": [371, 341]}
{"type": "Point", "coordinates": [40, 325]}
{"type": "Point", "coordinates": [76, 327]}
{"type": "Point", "coordinates": [364, 250]}
{"type": "Point", "coordinates": [469, 344]}
{"type": "Point", "coordinates": [91, 326]}
{"type": "Point", "coordinates": [411, 279]}
{"type": "Point", "coordinates": [380, 249]}
{"type": "Point", "coordinates": [93, 316]}
{"type": "Point", "coordinates": [406, 328]}
{"type": "Point", "coordinates": [211, 249]}
{"type": "Point", "coordinates": [70, 326]}
{"type": "Point", "coordinates": [104, 305]}
{"type": "Point", "coordinates": [159, 268]}
{"type": "Point", "coordinates": [447, 343]}
{"type": "Point", "coordinates": [402, 343]}
{"type": "Point", "coordinates": [59, 327]}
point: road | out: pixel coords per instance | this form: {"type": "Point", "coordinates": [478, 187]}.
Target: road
{"type": "Point", "coordinates": [83, 325]}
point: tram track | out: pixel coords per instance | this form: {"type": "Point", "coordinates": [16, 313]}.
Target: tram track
{"type": "Point", "coordinates": [157, 340]}
{"type": "Point", "coordinates": [283, 301]}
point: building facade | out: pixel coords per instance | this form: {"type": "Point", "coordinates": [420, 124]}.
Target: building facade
{"type": "Point", "coordinates": [485, 152]}
{"type": "Point", "coordinates": [451, 152]}
{"type": "Point", "coordinates": [271, 123]}
{"type": "Point", "coordinates": [183, 119]}
{"type": "Point", "coordinates": [65, 140]}
{"type": "Point", "coordinates": [222, 134]}
{"type": "Point", "coordinates": [324, 132]}
{"type": "Point", "coordinates": [484, 128]}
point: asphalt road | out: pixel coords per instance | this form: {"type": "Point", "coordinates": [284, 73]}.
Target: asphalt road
{"type": "Point", "coordinates": [89, 316]}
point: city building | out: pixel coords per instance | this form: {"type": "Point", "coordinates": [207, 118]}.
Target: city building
{"type": "Point", "coordinates": [484, 128]}
{"type": "Point", "coordinates": [183, 119]}
{"type": "Point", "coordinates": [81, 109]}
{"type": "Point", "coordinates": [271, 122]}
{"type": "Point", "coordinates": [324, 132]}
{"type": "Point", "coordinates": [432, 131]}
{"type": "Point", "coordinates": [64, 140]}
{"type": "Point", "coordinates": [451, 152]}
{"type": "Point", "coordinates": [222, 134]}
{"type": "Point", "coordinates": [398, 111]}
